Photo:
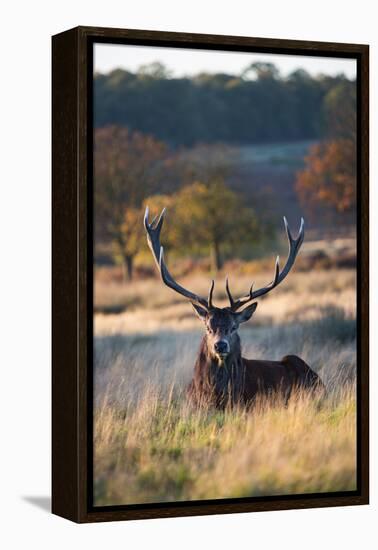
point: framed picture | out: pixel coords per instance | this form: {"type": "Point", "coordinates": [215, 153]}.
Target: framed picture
{"type": "Point", "coordinates": [195, 371]}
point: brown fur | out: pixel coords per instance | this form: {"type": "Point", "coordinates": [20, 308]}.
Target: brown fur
{"type": "Point", "coordinates": [240, 380]}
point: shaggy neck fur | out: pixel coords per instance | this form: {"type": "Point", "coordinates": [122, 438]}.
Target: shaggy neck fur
{"type": "Point", "coordinates": [222, 383]}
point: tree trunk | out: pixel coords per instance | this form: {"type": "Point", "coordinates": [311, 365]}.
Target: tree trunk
{"type": "Point", "coordinates": [215, 256]}
{"type": "Point", "coordinates": [127, 268]}
{"type": "Point", "coordinates": [130, 267]}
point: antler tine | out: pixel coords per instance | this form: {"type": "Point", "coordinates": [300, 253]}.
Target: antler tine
{"type": "Point", "coordinates": [210, 298]}
{"type": "Point", "coordinates": [153, 233]}
{"type": "Point", "coordinates": [279, 276]}
{"type": "Point", "coordinates": [294, 246]}
{"type": "Point", "coordinates": [236, 304]}
{"type": "Point", "coordinates": [152, 224]}
{"type": "Point", "coordinates": [153, 239]}
{"type": "Point", "coordinates": [232, 303]}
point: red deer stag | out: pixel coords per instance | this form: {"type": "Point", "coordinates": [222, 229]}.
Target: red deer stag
{"type": "Point", "coordinates": [221, 375]}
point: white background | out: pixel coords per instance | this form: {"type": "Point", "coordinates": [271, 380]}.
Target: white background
{"type": "Point", "coordinates": [182, 62]}
{"type": "Point", "coordinates": [25, 272]}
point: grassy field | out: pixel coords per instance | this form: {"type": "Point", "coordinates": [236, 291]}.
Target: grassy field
{"type": "Point", "coordinates": [151, 446]}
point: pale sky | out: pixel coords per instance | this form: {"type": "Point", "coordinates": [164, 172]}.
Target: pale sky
{"type": "Point", "coordinates": [182, 62]}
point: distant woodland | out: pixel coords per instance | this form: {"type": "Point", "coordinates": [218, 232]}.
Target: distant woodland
{"type": "Point", "coordinates": [259, 105]}
{"type": "Point", "coordinates": [228, 155]}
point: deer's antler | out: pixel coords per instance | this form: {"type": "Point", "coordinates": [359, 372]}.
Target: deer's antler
{"type": "Point", "coordinates": [294, 246]}
{"type": "Point", "coordinates": [153, 230]}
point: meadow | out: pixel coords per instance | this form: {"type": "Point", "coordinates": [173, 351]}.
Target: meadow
{"type": "Point", "coordinates": [152, 446]}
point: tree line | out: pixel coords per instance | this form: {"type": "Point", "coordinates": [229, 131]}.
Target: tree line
{"type": "Point", "coordinates": [134, 167]}
{"type": "Point", "coordinates": [259, 105]}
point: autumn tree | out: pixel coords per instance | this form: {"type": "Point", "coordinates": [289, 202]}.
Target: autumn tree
{"type": "Point", "coordinates": [329, 176]}
{"type": "Point", "coordinates": [211, 217]}
{"type": "Point", "coordinates": [128, 167]}
{"type": "Point", "coordinates": [128, 240]}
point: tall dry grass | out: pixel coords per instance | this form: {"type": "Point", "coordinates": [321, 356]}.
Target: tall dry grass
{"type": "Point", "coordinates": [151, 446]}
{"type": "Point", "coordinates": [157, 449]}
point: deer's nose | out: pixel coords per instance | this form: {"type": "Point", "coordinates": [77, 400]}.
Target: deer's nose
{"type": "Point", "coordinates": [222, 346]}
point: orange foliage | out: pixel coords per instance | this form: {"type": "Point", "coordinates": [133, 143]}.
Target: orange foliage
{"type": "Point", "coordinates": [330, 175]}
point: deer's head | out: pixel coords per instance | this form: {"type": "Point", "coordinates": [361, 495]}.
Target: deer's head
{"type": "Point", "coordinates": [221, 323]}
{"type": "Point", "coordinates": [222, 326]}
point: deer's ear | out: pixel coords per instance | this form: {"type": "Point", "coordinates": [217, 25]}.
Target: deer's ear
{"type": "Point", "coordinates": [201, 312]}
{"type": "Point", "coordinates": [246, 314]}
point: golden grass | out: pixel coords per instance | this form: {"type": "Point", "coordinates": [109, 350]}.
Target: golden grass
{"type": "Point", "coordinates": [150, 306]}
{"type": "Point", "coordinates": [160, 450]}
{"type": "Point", "coordinates": [151, 446]}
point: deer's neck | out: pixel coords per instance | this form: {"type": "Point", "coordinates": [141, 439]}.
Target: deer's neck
{"type": "Point", "coordinates": [223, 381]}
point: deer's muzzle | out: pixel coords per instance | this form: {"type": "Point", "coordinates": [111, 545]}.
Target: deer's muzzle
{"type": "Point", "coordinates": [222, 348]}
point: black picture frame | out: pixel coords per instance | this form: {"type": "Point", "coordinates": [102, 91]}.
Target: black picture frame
{"type": "Point", "coordinates": [72, 271]}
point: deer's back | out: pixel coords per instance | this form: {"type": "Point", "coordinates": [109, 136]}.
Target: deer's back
{"type": "Point", "coordinates": [290, 372]}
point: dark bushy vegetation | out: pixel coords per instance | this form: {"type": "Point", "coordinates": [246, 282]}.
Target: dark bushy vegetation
{"type": "Point", "coordinates": [257, 106]}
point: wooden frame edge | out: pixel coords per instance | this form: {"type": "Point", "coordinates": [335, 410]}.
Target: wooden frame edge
{"type": "Point", "coordinates": [70, 202]}
{"type": "Point", "coordinates": [65, 403]}
{"type": "Point", "coordinates": [363, 288]}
